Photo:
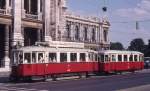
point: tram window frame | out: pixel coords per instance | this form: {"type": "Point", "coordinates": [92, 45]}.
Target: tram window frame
{"type": "Point", "coordinates": [82, 57]}
{"type": "Point", "coordinates": [63, 57]}
{"type": "Point", "coordinates": [106, 58]}
{"type": "Point", "coordinates": [34, 58]}
{"type": "Point", "coordinates": [15, 57]}
{"type": "Point", "coordinates": [113, 58]}
{"type": "Point", "coordinates": [89, 56]}
{"type": "Point", "coordinates": [20, 57]}
{"type": "Point", "coordinates": [131, 58]}
{"type": "Point", "coordinates": [53, 57]}
{"type": "Point", "coordinates": [27, 57]}
{"type": "Point", "coordinates": [125, 58]}
{"type": "Point", "coordinates": [135, 58]}
{"type": "Point", "coordinates": [141, 58]}
{"type": "Point", "coordinates": [40, 58]}
{"type": "Point", "coordinates": [96, 57]}
{"type": "Point", "coordinates": [102, 57]}
{"type": "Point", "coordinates": [99, 58]}
{"type": "Point", "coordinates": [93, 56]}
{"type": "Point", "coordinates": [119, 58]}
{"type": "Point", "coordinates": [73, 57]}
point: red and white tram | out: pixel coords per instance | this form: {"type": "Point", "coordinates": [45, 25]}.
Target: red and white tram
{"type": "Point", "coordinates": [45, 61]}
{"type": "Point", "coordinates": [51, 61]}
{"type": "Point", "coordinates": [119, 61]}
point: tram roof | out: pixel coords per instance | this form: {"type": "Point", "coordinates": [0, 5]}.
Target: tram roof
{"type": "Point", "coordinates": [120, 52]}
{"type": "Point", "coordinates": [52, 49]}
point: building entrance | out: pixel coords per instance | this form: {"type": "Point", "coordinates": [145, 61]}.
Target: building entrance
{"type": "Point", "coordinates": [2, 44]}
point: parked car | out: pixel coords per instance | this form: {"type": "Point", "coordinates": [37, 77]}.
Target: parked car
{"type": "Point", "coordinates": [146, 62]}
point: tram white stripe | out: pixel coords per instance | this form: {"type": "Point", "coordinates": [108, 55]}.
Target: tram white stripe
{"type": "Point", "coordinates": [16, 88]}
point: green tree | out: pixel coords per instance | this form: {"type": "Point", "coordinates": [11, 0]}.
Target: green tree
{"type": "Point", "coordinates": [116, 46]}
{"type": "Point", "coordinates": [137, 45]}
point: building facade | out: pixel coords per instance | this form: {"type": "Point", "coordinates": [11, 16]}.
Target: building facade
{"type": "Point", "coordinates": [24, 22]}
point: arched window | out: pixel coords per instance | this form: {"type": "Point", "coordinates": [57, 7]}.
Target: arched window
{"type": "Point", "coordinates": [85, 33]}
{"type": "Point", "coordinates": [68, 29]}
{"type": "Point", "coordinates": [77, 32]}
{"type": "Point", "coordinates": [105, 35]}
{"type": "Point", "coordinates": [93, 34]}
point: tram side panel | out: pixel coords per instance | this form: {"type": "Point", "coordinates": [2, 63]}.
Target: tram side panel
{"type": "Point", "coordinates": [73, 67]}
{"type": "Point", "coordinates": [108, 64]}
{"type": "Point", "coordinates": [55, 68]}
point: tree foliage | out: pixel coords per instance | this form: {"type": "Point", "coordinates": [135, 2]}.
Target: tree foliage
{"type": "Point", "coordinates": [116, 46]}
{"type": "Point", "coordinates": [137, 45]}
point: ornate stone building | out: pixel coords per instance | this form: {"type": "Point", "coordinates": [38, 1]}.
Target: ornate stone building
{"type": "Point", "coordinates": [24, 22]}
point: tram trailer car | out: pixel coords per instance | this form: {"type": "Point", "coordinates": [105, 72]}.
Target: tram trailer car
{"type": "Point", "coordinates": [120, 61]}
{"type": "Point", "coordinates": [51, 61]}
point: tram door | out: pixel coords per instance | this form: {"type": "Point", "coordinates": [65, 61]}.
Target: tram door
{"type": "Point", "coordinates": [40, 67]}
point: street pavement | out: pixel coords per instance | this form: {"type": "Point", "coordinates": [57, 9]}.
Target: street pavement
{"type": "Point", "coordinates": [139, 81]}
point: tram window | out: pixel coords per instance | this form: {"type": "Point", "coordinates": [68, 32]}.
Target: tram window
{"type": "Point", "coordinates": [99, 58]}
{"type": "Point", "coordinates": [82, 57]}
{"type": "Point", "coordinates": [125, 58]}
{"type": "Point", "coordinates": [20, 58]}
{"type": "Point", "coordinates": [141, 58]}
{"type": "Point", "coordinates": [89, 57]}
{"type": "Point", "coordinates": [106, 58]}
{"type": "Point", "coordinates": [27, 57]}
{"type": "Point", "coordinates": [102, 58]}
{"type": "Point", "coordinates": [96, 57]}
{"type": "Point", "coordinates": [33, 57]}
{"type": "Point", "coordinates": [52, 57]}
{"type": "Point", "coordinates": [120, 58]}
{"type": "Point", "coordinates": [131, 58]}
{"type": "Point", "coordinates": [40, 57]}
{"type": "Point", "coordinates": [63, 57]}
{"type": "Point", "coordinates": [93, 57]}
{"type": "Point", "coordinates": [135, 58]}
{"type": "Point", "coordinates": [73, 57]}
{"type": "Point", "coordinates": [113, 58]}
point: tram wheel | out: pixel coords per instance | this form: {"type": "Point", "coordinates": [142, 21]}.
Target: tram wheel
{"type": "Point", "coordinates": [45, 78]}
{"type": "Point", "coordinates": [28, 78]}
{"type": "Point", "coordinates": [87, 75]}
{"type": "Point", "coordinates": [54, 77]}
{"type": "Point", "coordinates": [80, 75]}
{"type": "Point", "coordinates": [14, 79]}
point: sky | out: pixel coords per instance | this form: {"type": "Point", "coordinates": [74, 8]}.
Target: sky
{"type": "Point", "coordinates": [122, 14]}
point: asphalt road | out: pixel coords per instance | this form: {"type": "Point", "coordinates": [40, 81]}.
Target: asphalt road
{"type": "Point", "coordinates": [139, 81]}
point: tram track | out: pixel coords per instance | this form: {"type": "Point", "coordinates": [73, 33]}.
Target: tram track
{"type": "Point", "coordinates": [75, 78]}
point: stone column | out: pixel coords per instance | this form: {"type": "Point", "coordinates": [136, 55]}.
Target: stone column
{"type": "Point", "coordinates": [39, 35]}
{"type": "Point", "coordinates": [17, 36]}
{"type": "Point", "coordinates": [57, 12]}
{"type": "Point", "coordinates": [6, 57]}
{"type": "Point", "coordinates": [96, 34]}
{"type": "Point", "coordinates": [72, 31]}
{"type": "Point", "coordinates": [29, 6]}
{"type": "Point", "coordinates": [8, 11]}
{"type": "Point", "coordinates": [47, 20]}
{"type": "Point", "coordinates": [62, 16]}
{"type": "Point", "coordinates": [23, 10]}
{"type": "Point", "coordinates": [101, 34]}
{"type": "Point", "coordinates": [39, 11]}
